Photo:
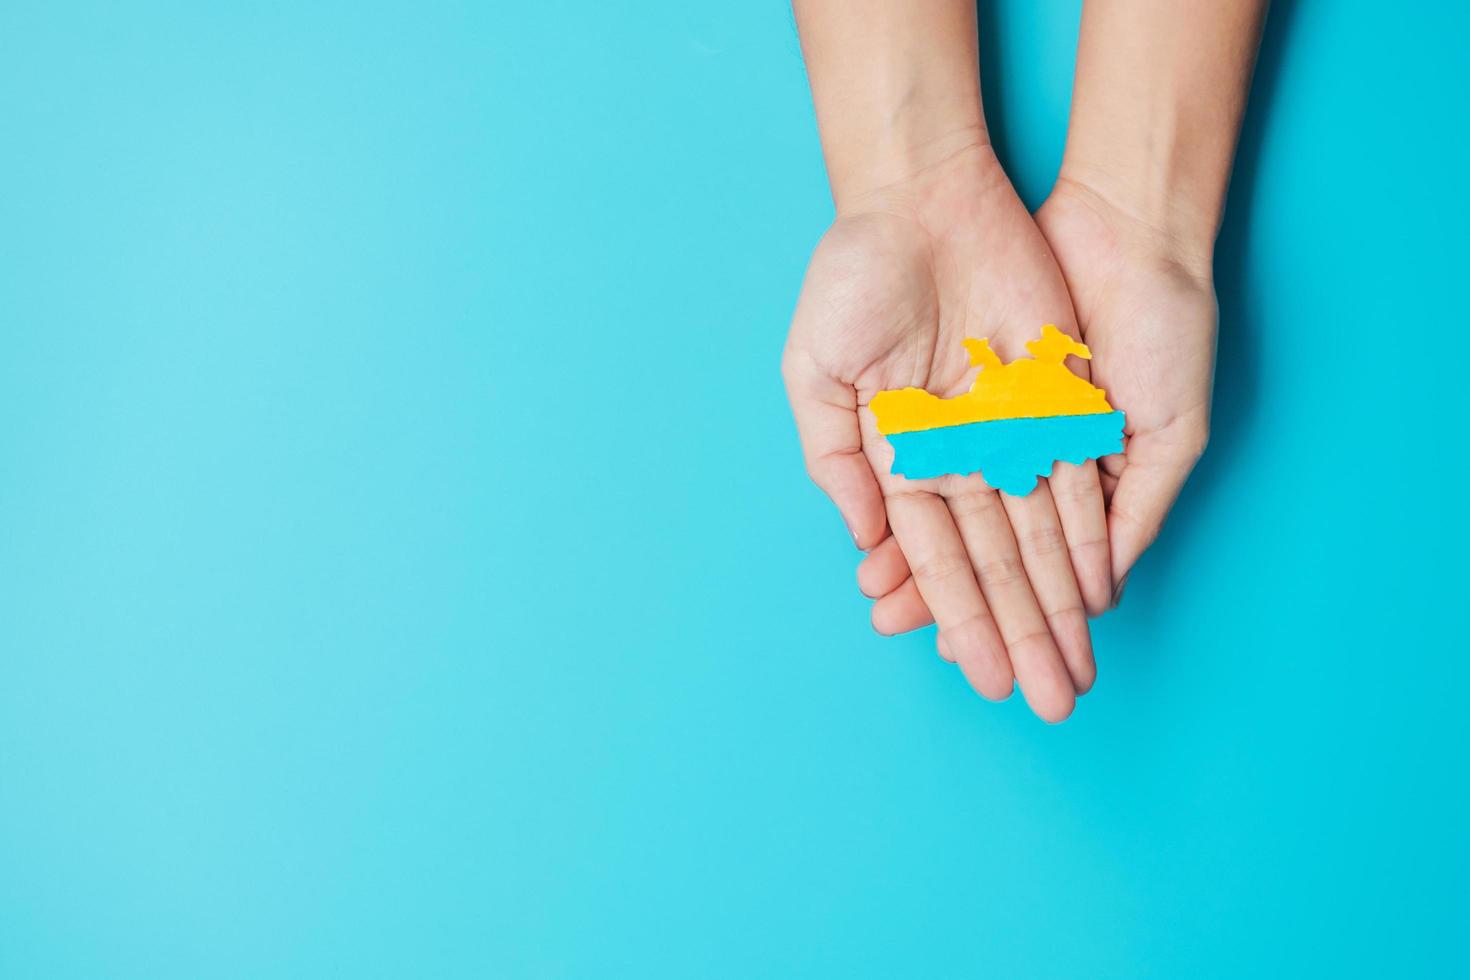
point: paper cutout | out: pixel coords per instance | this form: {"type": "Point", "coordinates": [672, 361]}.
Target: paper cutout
{"type": "Point", "coordinates": [1013, 424]}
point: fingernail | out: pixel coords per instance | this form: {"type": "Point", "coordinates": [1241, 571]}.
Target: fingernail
{"type": "Point", "coordinates": [852, 534]}
{"type": "Point", "coordinates": [1118, 590]}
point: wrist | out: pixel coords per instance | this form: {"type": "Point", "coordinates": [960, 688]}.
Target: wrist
{"type": "Point", "coordinates": [905, 170]}
{"type": "Point", "coordinates": [1160, 208]}
{"type": "Point", "coordinates": [896, 88]}
{"type": "Point", "coordinates": [1157, 100]}
{"type": "Point", "coordinates": [1124, 222]}
{"type": "Point", "coordinates": [949, 194]}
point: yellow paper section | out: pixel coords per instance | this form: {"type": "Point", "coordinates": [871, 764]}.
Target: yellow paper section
{"type": "Point", "coordinates": [1036, 387]}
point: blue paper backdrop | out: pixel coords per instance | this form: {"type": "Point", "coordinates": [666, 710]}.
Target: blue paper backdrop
{"type": "Point", "coordinates": [360, 616]}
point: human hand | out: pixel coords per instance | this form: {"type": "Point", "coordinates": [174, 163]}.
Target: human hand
{"type": "Point", "coordinates": [1133, 220]}
{"type": "Point", "coordinates": [903, 276]}
{"type": "Point", "coordinates": [1146, 305]}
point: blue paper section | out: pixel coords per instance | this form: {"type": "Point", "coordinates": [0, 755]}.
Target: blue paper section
{"type": "Point", "coordinates": [1009, 453]}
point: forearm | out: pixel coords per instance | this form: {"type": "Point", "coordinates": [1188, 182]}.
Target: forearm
{"type": "Point", "coordinates": [896, 86]}
{"type": "Point", "coordinates": [1160, 90]}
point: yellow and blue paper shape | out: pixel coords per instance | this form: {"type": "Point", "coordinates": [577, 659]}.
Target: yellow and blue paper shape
{"type": "Point", "coordinates": [1013, 424]}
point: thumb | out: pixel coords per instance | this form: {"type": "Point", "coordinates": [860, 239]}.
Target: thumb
{"type": "Point", "coordinates": [1154, 472]}
{"type": "Point", "coordinates": [827, 421]}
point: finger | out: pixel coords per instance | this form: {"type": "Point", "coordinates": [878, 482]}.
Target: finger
{"type": "Point", "coordinates": [827, 422]}
{"type": "Point", "coordinates": [1079, 503]}
{"type": "Point", "coordinates": [1038, 532]}
{"type": "Point", "coordinates": [883, 570]}
{"type": "Point", "coordinates": [1034, 656]}
{"type": "Point", "coordinates": [901, 610]}
{"type": "Point", "coordinates": [946, 582]}
{"type": "Point", "coordinates": [943, 647]}
{"type": "Point", "coordinates": [1153, 474]}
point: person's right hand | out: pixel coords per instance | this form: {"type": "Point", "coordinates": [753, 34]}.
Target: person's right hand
{"type": "Point", "coordinates": [904, 275]}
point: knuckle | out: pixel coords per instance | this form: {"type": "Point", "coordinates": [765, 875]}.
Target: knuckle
{"type": "Point", "coordinates": [940, 568]}
{"type": "Point", "coordinates": [827, 470]}
{"type": "Point", "coordinates": [975, 622]}
{"type": "Point", "coordinates": [1186, 438]}
{"type": "Point", "coordinates": [972, 504]}
{"type": "Point", "coordinates": [1086, 545]}
{"type": "Point", "coordinates": [1063, 609]}
{"type": "Point", "coordinates": [1031, 637]}
{"type": "Point", "coordinates": [1043, 541]}
{"type": "Point", "coordinates": [1125, 514]}
{"type": "Point", "coordinates": [1000, 572]}
{"type": "Point", "coordinates": [1076, 491]}
{"type": "Point", "coordinates": [974, 639]}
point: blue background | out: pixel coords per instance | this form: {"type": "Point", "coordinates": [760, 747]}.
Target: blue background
{"type": "Point", "coordinates": [360, 617]}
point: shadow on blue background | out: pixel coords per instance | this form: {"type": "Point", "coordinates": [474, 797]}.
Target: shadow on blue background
{"type": "Point", "coordinates": [357, 618]}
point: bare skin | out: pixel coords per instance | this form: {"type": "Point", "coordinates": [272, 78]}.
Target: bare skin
{"type": "Point", "coordinates": [1150, 321]}
{"type": "Point", "coordinates": [931, 246]}
{"type": "Point", "coordinates": [893, 289]}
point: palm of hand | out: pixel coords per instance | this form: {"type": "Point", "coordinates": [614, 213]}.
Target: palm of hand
{"type": "Point", "coordinates": [892, 300]}
{"type": "Point", "coordinates": [897, 297]}
{"type": "Point", "coordinates": [890, 295]}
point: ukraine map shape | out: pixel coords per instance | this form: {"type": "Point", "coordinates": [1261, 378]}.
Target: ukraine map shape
{"type": "Point", "coordinates": [1013, 424]}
